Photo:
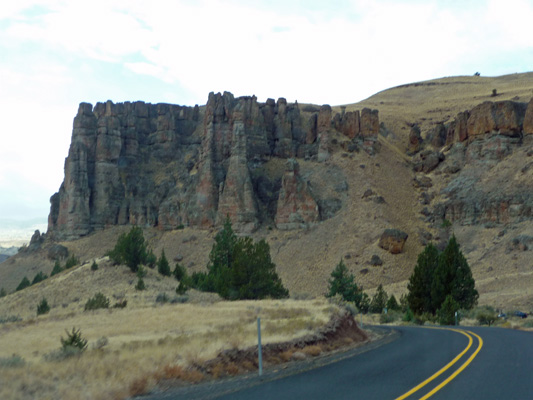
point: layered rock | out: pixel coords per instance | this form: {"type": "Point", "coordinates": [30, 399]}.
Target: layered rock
{"type": "Point", "coordinates": [296, 206]}
{"type": "Point", "coordinates": [167, 165]}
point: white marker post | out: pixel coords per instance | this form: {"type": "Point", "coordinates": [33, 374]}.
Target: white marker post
{"type": "Point", "coordinates": [259, 351]}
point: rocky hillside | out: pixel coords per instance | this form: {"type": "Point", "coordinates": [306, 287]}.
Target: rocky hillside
{"type": "Point", "coordinates": [319, 183]}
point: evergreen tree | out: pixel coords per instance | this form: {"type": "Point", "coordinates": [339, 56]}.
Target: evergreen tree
{"type": "Point", "coordinates": [71, 261]}
{"type": "Point", "coordinates": [379, 301]}
{"type": "Point", "coordinates": [342, 282]}
{"type": "Point", "coordinates": [39, 277]}
{"type": "Point", "coordinates": [3, 293]}
{"type": "Point", "coordinates": [392, 304]}
{"type": "Point", "coordinates": [130, 249]}
{"type": "Point", "coordinates": [420, 282]}
{"type": "Point", "coordinates": [453, 277]}
{"type": "Point", "coordinates": [43, 307]}
{"type": "Point", "coordinates": [24, 283]}
{"type": "Point", "coordinates": [447, 311]}
{"type": "Point", "coordinates": [163, 266]}
{"type": "Point", "coordinates": [238, 268]}
{"type": "Point", "coordinates": [94, 266]}
{"type": "Point", "coordinates": [57, 269]}
{"type": "Point", "coordinates": [179, 272]}
{"type": "Point", "coordinates": [151, 259]}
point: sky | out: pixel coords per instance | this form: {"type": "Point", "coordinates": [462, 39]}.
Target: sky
{"type": "Point", "coordinates": [55, 54]}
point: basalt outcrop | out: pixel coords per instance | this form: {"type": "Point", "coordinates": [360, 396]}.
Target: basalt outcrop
{"type": "Point", "coordinates": [168, 166]}
{"type": "Point", "coordinates": [484, 145]}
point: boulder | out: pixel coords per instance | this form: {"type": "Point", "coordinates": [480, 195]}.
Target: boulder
{"type": "Point", "coordinates": [528, 119]}
{"type": "Point", "coordinates": [393, 240]}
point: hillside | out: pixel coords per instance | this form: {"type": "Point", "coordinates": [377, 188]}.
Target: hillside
{"type": "Point", "coordinates": [361, 183]}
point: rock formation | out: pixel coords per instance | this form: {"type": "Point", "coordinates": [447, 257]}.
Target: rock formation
{"type": "Point", "coordinates": [296, 206]}
{"type": "Point", "coordinates": [167, 165]}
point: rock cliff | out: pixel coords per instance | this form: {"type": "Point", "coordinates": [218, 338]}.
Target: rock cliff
{"type": "Point", "coordinates": [168, 166]}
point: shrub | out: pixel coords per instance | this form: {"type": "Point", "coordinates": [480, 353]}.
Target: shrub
{"type": "Point", "coordinates": [10, 318]}
{"type": "Point", "coordinates": [74, 339]}
{"type": "Point", "coordinates": [130, 249]}
{"type": "Point", "coordinates": [39, 277]}
{"type": "Point", "coordinates": [182, 288]}
{"type": "Point", "coordinates": [24, 283]}
{"type": "Point", "coordinates": [161, 298]}
{"type": "Point", "coordinates": [3, 293]}
{"type": "Point", "coordinates": [96, 302]}
{"type": "Point", "coordinates": [390, 316]}
{"type": "Point", "coordinates": [94, 266]}
{"type": "Point", "coordinates": [43, 307]}
{"type": "Point", "coordinates": [57, 269]}
{"type": "Point", "coordinates": [179, 272]}
{"type": "Point", "coordinates": [14, 361]}
{"type": "Point", "coordinates": [486, 317]}
{"type": "Point", "coordinates": [71, 261]}
{"type": "Point", "coordinates": [121, 304]}
{"type": "Point", "coordinates": [141, 272]}
{"type": "Point", "coordinates": [408, 316]}
{"type": "Point", "coordinates": [163, 266]}
{"type": "Point", "coordinates": [180, 299]}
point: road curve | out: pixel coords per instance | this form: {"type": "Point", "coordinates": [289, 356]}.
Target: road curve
{"type": "Point", "coordinates": [488, 364]}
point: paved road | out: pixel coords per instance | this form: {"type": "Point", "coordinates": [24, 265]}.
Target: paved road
{"type": "Point", "coordinates": [501, 369]}
{"type": "Point", "coordinates": [490, 364]}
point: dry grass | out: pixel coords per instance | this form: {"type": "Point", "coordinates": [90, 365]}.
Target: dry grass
{"type": "Point", "coordinates": [145, 343]}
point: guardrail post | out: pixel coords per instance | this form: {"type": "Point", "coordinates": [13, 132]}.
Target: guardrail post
{"type": "Point", "coordinates": [259, 350]}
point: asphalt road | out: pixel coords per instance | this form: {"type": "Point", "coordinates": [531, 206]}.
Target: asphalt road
{"type": "Point", "coordinates": [480, 363]}
{"type": "Point", "coordinates": [501, 369]}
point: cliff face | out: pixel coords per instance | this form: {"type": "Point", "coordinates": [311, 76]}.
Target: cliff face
{"type": "Point", "coordinates": [484, 147]}
{"type": "Point", "coordinates": [166, 165]}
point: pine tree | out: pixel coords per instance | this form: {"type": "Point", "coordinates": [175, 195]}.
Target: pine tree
{"type": "Point", "coordinates": [39, 277]}
{"type": "Point", "coordinates": [43, 307]}
{"type": "Point", "coordinates": [130, 249]}
{"type": "Point", "coordinates": [23, 284]}
{"type": "Point", "coordinates": [447, 311]}
{"type": "Point", "coordinates": [163, 266]}
{"type": "Point", "coordinates": [453, 277]}
{"type": "Point", "coordinates": [221, 259]}
{"type": "Point", "coordinates": [420, 282]}
{"type": "Point", "coordinates": [57, 269]}
{"type": "Point", "coordinates": [342, 282]}
{"type": "Point", "coordinates": [392, 304]}
{"type": "Point", "coordinates": [379, 301]}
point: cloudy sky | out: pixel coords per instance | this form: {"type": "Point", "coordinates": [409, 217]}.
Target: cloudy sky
{"type": "Point", "coordinates": [56, 54]}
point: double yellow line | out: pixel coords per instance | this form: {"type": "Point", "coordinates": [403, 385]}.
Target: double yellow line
{"type": "Point", "coordinates": [447, 366]}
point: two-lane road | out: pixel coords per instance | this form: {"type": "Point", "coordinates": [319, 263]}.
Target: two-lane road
{"type": "Point", "coordinates": [502, 368]}
{"type": "Point", "coordinates": [422, 363]}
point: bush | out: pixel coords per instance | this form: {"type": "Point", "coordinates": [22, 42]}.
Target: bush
{"type": "Point", "coordinates": [130, 249]}
{"type": "Point", "coordinates": [96, 302]}
{"type": "Point", "coordinates": [121, 304]}
{"type": "Point", "coordinates": [74, 339]}
{"type": "Point", "coordinates": [161, 298]}
{"type": "Point", "coordinates": [43, 307]}
{"type": "Point", "coordinates": [486, 317]}
{"type": "Point", "coordinates": [408, 316]}
{"type": "Point", "coordinates": [182, 287]}
{"type": "Point", "coordinates": [179, 272]}
{"type": "Point", "coordinates": [24, 283]}
{"type": "Point", "coordinates": [10, 318]}
{"type": "Point", "coordinates": [390, 316]}
{"type": "Point", "coordinates": [180, 299]}
{"type": "Point", "coordinates": [3, 293]}
{"type": "Point", "coordinates": [71, 261]}
{"type": "Point", "coordinates": [57, 269]}
{"type": "Point", "coordinates": [94, 266]}
{"type": "Point", "coordinates": [163, 266]}
{"type": "Point", "coordinates": [39, 277]}
{"type": "Point", "coordinates": [14, 361]}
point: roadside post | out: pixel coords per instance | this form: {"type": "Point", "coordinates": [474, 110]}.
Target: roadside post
{"type": "Point", "coordinates": [259, 351]}
{"type": "Point", "coordinates": [456, 318]}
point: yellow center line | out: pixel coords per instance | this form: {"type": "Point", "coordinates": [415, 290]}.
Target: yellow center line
{"type": "Point", "coordinates": [443, 369]}
{"type": "Point", "coordinates": [459, 370]}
